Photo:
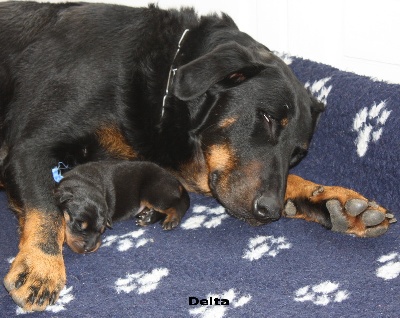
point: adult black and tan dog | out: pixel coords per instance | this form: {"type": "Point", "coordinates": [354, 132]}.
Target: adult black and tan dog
{"type": "Point", "coordinates": [95, 194]}
{"type": "Point", "coordinates": [84, 82]}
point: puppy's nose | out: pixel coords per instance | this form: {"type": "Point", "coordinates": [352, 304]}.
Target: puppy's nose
{"type": "Point", "coordinates": [267, 208]}
{"type": "Point", "coordinates": [91, 247]}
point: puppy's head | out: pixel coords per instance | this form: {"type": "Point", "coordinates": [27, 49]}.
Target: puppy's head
{"type": "Point", "coordinates": [85, 213]}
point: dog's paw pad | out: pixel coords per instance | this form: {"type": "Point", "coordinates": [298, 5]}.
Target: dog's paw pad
{"type": "Point", "coordinates": [372, 217]}
{"type": "Point", "coordinates": [290, 209]}
{"type": "Point", "coordinates": [359, 217]}
{"type": "Point", "coordinates": [355, 207]}
{"type": "Point", "coordinates": [338, 219]}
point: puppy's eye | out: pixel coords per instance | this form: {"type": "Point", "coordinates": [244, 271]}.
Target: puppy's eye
{"type": "Point", "coordinates": [81, 225]}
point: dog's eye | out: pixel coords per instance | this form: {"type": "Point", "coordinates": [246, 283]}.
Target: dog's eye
{"type": "Point", "coordinates": [269, 122]}
{"type": "Point", "coordinates": [81, 225]}
{"type": "Point", "coordinates": [268, 118]}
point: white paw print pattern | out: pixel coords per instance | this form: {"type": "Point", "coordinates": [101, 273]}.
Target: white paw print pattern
{"type": "Point", "coordinates": [265, 245]}
{"type": "Point", "coordinates": [141, 282]}
{"type": "Point", "coordinates": [126, 241]}
{"type": "Point", "coordinates": [219, 311]}
{"type": "Point", "coordinates": [319, 89]}
{"type": "Point", "coordinates": [284, 57]}
{"type": "Point", "coordinates": [322, 294]}
{"type": "Point", "coordinates": [390, 268]}
{"type": "Point", "coordinates": [65, 298]}
{"type": "Point", "coordinates": [368, 124]}
{"type": "Point", "coordinates": [204, 216]}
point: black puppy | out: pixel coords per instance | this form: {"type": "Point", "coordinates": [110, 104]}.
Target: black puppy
{"type": "Point", "coordinates": [95, 194]}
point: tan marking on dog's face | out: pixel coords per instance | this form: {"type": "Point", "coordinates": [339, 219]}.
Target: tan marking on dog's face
{"type": "Point", "coordinates": [220, 157]}
{"type": "Point", "coordinates": [84, 225]}
{"type": "Point", "coordinates": [225, 123]}
{"type": "Point", "coordinates": [284, 122]}
{"type": "Point", "coordinates": [194, 175]}
{"type": "Point", "coordinates": [112, 140]}
{"type": "Point", "coordinates": [67, 217]}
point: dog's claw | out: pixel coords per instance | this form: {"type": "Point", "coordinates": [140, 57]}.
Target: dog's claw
{"type": "Point", "coordinates": [392, 220]}
{"type": "Point", "coordinates": [318, 190]}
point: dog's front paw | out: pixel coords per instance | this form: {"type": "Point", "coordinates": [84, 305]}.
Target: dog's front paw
{"type": "Point", "coordinates": [339, 209]}
{"type": "Point", "coordinates": [360, 217]}
{"type": "Point", "coordinates": [35, 279]}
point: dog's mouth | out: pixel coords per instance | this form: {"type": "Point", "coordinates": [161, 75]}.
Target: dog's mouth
{"type": "Point", "coordinates": [249, 218]}
{"type": "Point", "coordinates": [79, 246]}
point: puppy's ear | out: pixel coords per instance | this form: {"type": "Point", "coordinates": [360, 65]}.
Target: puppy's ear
{"type": "Point", "coordinates": [109, 223]}
{"type": "Point", "coordinates": [62, 196]}
{"type": "Point", "coordinates": [226, 61]}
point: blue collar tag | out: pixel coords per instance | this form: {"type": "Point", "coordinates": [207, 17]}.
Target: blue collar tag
{"type": "Point", "coordinates": [56, 171]}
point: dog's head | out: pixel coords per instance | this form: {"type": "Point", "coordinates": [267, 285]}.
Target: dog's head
{"type": "Point", "coordinates": [85, 214]}
{"type": "Point", "coordinates": [251, 120]}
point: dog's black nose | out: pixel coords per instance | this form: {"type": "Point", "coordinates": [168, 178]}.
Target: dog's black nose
{"type": "Point", "coordinates": [267, 208]}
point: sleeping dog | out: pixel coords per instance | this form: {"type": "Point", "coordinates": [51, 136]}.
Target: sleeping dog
{"type": "Point", "coordinates": [193, 94]}
{"type": "Point", "coordinates": [95, 194]}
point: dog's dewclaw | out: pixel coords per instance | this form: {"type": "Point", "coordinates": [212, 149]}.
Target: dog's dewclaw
{"type": "Point", "coordinates": [338, 219]}
{"type": "Point", "coordinates": [290, 209]}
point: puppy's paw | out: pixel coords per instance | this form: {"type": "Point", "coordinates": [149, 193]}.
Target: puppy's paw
{"type": "Point", "coordinates": [171, 222]}
{"type": "Point", "coordinates": [148, 216]}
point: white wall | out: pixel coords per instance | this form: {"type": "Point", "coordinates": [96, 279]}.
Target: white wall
{"type": "Point", "coordinates": [362, 36]}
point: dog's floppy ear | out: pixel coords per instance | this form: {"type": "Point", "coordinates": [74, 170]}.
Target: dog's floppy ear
{"type": "Point", "coordinates": [225, 61]}
{"type": "Point", "coordinates": [62, 196]}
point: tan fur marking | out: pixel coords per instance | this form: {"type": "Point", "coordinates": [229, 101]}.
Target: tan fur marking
{"type": "Point", "coordinates": [220, 157]}
{"type": "Point", "coordinates": [44, 272]}
{"type": "Point", "coordinates": [112, 140]}
{"type": "Point", "coordinates": [225, 123]}
{"type": "Point", "coordinates": [194, 175]}
{"type": "Point", "coordinates": [284, 122]}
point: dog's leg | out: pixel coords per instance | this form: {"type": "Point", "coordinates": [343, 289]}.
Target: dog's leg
{"type": "Point", "coordinates": [37, 274]}
{"type": "Point", "coordinates": [339, 209]}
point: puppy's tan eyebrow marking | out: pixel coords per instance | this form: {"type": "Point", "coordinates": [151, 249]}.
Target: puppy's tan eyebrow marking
{"type": "Point", "coordinates": [84, 225]}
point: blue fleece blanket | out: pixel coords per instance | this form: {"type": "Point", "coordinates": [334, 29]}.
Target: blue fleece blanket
{"type": "Point", "coordinates": [290, 268]}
